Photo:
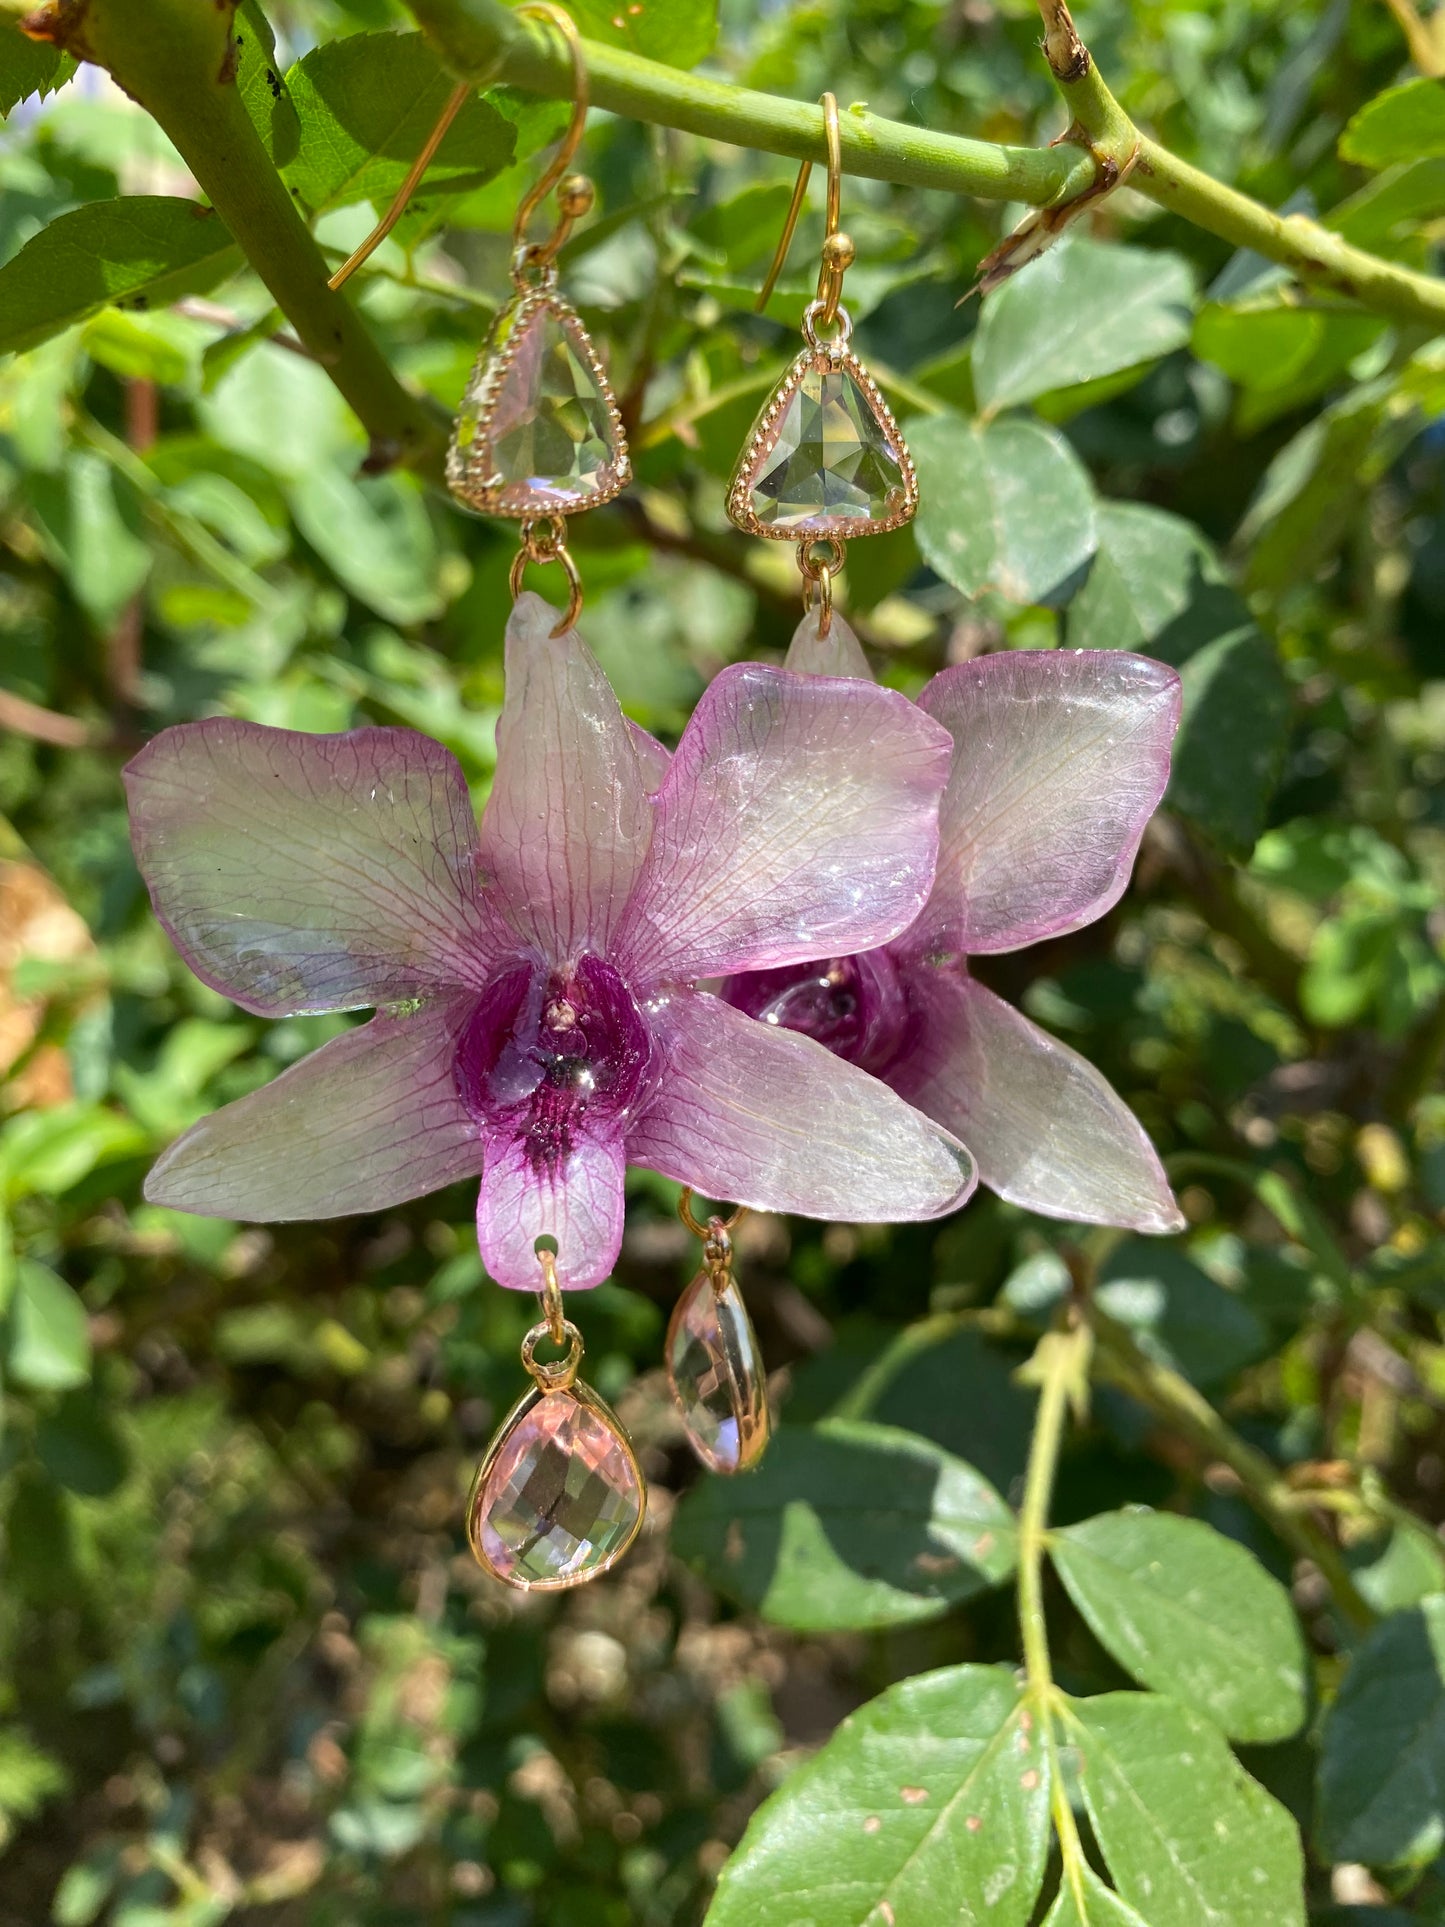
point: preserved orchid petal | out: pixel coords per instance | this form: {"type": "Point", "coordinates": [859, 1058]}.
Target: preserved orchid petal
{"type": "Point", "coordinates": [1061, 758]}
{"type": "Point", "coordinates": [794, 823]}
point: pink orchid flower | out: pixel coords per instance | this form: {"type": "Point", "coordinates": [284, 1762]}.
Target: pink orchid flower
{"type": "Point", "coordinates": [538, 1022]}
{"type": "Point", "coordinates": [1060, 758]}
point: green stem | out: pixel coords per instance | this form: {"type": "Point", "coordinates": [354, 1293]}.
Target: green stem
{"type": "Point", "coordinates": [1058, 1367]}
{"type": "Point", "coordinates": [1174, 1400]}
{"type": "Point", "coordinates": [174, 57]}
{"type": "Point", "coordinates": [481, 41]}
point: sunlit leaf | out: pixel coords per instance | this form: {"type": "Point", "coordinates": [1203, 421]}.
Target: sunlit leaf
{"type": "Point", "coordinates": [1190, 1613]}
{"type": "Point", "coordinates": [143, 250]}
{"type": "Point", "coordinates": [849, 1525]}
{"type": "Point", "coordinates": [929, 1805]}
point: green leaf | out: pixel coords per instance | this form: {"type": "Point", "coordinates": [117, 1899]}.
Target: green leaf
{"type": "Point", "coordinates": [49, 1335]}
{"type": "Point", "coordinates": [1178, 1314]}
{"type": "Point", "coordinates": [1190, 1839]}
{"type": "Point", "coordinates": [1005, 507]}
{"type": "Point", "coordinates": [28, 66]}
{"type": "Point", "coordinates": [1309, 495]}
{"type": "Point", "coordinates": [375, 535]}
{"type": "Point", "coordinates": [80, 1448]}
{"type": "Point", "coordinates": [1084, 310]}
{"type": "Point", "coordinates": [1230, 751]}
{"type": "Point", "coordinates": [366, 105]}
{"type": "Point", "coordinates": [89, 521]}
{"type": "Point", "coordinates": [262, 86]}
{"type": "Point", "coordinates": [678, 32]}
{"type": "Point", "coordinates": [28, 1777]}
{"type": "Point", "coordinates": [849, 1526]}
{"type": "Point", "coordinates": [1403, 124]}
{"type": "Point", "coordinates": [1189, 1613]}
{"type": "Point", "coordinates": [44, 1153]}
{"type": "Point", "coordinates": [142, 250]}
{"type": "Point", "coordinates": [929, 1805]}
{"type": "Point", "coordinates": [1382, 1761]}
{"type": "Point", "coordinates": [1156, 586]}
{"type": "Point", "coordinates": [1100, 1908]}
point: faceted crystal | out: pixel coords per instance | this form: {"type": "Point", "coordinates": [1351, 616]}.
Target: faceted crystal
{"type": "Point", "coordinates": [535, 432]}
{"type": "Point", "coordinates": [562, 1498]}
{"type": "Point", "coordinates": [833, 463]}
{"type": "Point", "coordinates": [716, 1372]}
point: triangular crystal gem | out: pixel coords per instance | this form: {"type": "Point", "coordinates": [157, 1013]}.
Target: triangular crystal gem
{"type": "Point", "coordinates": [537, 432]}
{"type": "Point", "coordinates": [559, 1497]}
{"type": "Point", "coordinates": [716, 1373]}
{"type": "Point", "coordinates": [826, 458]}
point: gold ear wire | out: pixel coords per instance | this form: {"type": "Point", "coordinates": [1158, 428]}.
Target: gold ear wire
{"type": "Point", "coordinates": [574, 197]}
{"type": "Point", "coordinates": [838, 250]}
{"type": "Point", "coordinates": [408, 187]}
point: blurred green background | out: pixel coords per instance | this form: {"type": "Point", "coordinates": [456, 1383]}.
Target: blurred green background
{"type": "Point", "coordinates": [248, 1672]}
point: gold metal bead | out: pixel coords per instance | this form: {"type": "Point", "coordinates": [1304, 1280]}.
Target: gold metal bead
{"type": "Point", "coordinates": [839, 252]}
{"type": "Point", "coordinates": [575, 196]}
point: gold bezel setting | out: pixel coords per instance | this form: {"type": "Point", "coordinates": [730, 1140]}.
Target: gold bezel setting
{"type": "Point", "coordinates": [829, 359]}
{"type": "Point", "coordinates": [582, 1394]}
{"type": "Point", "coordinates": [471, 474]}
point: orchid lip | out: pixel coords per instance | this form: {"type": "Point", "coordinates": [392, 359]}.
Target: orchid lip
{"type": "Point", "coordinates": [546, 1051]}
{"type": "Point", "coordinates": [855, 1006]}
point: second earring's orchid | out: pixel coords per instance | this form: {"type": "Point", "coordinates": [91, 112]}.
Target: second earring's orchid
{"type": "Point", "coordinates": [538, 1022]}
{"type": "Point", "coordinates": [1060, 758]}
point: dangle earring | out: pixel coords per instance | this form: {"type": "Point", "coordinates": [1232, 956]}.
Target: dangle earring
{"type": "Point", "coordinates": [714, 1365]}
{"type": "Point", "coordinates": [558, 1497]}
{"type": "Point", "coordinates": [539, 436]}
{"type": "Point", "coordinates": [825, 460]}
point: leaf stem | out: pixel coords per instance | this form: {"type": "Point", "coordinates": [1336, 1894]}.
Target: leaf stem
{"type": "Point", "coordinates": [176, 58]}
{"type": "Point", "coordinates": [1059, 1368]}
{"type": "Point", "coordinates": [482, 42]}
{"type": "Point", "coordinates": [1174, 1400]}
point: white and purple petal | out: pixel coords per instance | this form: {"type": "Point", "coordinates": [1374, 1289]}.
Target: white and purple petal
{"type": "Point", "coordinates": [369, 1120]}
{"type": "Point", "coordinates": [309, 873]}
{"type": "Point", "coordinates": [574, 1197]}
{"type": "Point", "coordinates": [1060, 759]}
{"type": "Point", "coordinates": [764, 1117]}
{"type": "Point", "coordinates": [798, 820]}
{"type": "Point", "coordinates": [566, 828]}
{"type": "Point", "coordinates": [1048, 1131]}
{"type": "Point", "coordinates": [838, 653]}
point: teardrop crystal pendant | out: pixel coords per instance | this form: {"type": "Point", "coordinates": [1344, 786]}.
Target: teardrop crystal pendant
{"type": "Point", "coordinates": [559, 1496]}
{"type": "Point", "coordinates": [538, 432]}
{"type": "Point", "coordinates": [826, 457]}
{"type": "Point", "coordinates": [716, 1372]}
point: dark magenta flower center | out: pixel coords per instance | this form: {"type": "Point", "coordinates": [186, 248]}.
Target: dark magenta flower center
{"type": "Point", "coordinates": [856, 1006]}
{"type": "Point", "coordinates": [544, 1050]}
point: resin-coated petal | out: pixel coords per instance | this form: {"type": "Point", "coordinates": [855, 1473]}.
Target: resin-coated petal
{"type": "Point", "coordinates": [1048, 1131]}
{"type": "Point", "coordinates": [654, 760]}
{"type": "Point", "coordinates": [839, 653]}
{"type": "Point", "coordinates": [772, 1120]}
{"type": "Point", "coordinates": [537, 432]}
{"type": "Point", "coordinates": [573, 1196]}
{"type": "Point", "coordinates": [367, 1121]}
{"type": "Point", "coordinates": [798, 820]}
{"type": "Point", "coordinates": [566, 828]}
{"type": "Point", "coordinates": [560, 1498]}
{"type": "Point", "coordinates": [1061, 758]}
{"type": "Point", "coordinates": [308, 873]}
{"type": "Point", "coordinates": [716, 1373]}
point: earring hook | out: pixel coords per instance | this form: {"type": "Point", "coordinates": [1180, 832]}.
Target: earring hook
{"type": "Point", "coordinates": [575, 195]}
{"type": "Point", "coordinates": [837, 248]}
